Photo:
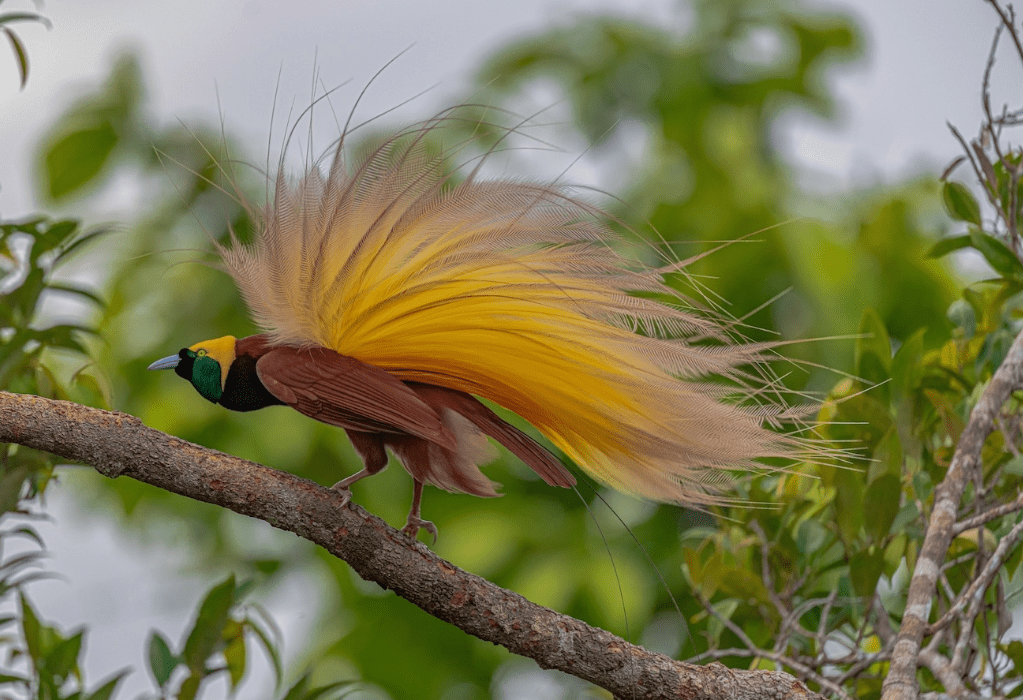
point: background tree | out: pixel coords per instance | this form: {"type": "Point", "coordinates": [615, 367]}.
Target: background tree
{"type": "Point", "coordinates": [792, 587]}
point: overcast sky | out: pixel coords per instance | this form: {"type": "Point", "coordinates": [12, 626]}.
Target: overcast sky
{"type": "Point", "coordinates": [923, 64]}
{"type": "Point", "coordinates": [923, 67]}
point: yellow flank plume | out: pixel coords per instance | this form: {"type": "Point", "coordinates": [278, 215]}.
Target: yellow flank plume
{"type": "Point", "coordinates": [513, 292]}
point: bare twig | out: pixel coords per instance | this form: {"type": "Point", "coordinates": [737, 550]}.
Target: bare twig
{"type": "Point", "coordinates": [989, 188]}
{"type": "Point", "coordinates": [117, 444]}
{"type": "Point", "coordinates": [1008, 20]}
{"type": "Point", "coordinates": [973, 598]}
{"type": "Point", "coordinates": [803, 670]}
{"type": "Point", "coordinates": [988, 515]}
{"type": "Point", "coordinates": [901, 683]}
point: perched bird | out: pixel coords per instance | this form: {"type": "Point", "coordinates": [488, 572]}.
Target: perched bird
{"type": "Point", "coordinates": [393, 292]}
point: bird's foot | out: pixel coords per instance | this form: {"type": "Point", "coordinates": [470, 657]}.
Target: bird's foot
{"type": "Point", "coordinates": [414, 524]}
{"type": "Point", "coordinates": [346, 493]}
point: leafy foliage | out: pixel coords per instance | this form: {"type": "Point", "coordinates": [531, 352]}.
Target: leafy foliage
{"type": "Point", "coordinates": [813, 585]}
{"type": "Point", "coordinates": [17, 45]}
{"type": "Point", "coordinates": [33, 254]}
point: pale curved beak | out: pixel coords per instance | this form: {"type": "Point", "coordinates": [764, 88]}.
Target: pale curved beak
{"type": "Point", "coordinates": [166, 363]}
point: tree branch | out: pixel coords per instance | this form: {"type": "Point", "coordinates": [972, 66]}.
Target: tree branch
{"type": "Point", "coordinates": [901, 683]}
{"type": "Point", "coordinates": [117, 444]}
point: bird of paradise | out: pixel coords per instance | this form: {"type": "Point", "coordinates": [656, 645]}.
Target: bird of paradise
{"type": "Point", "coordinates": [393, 295]}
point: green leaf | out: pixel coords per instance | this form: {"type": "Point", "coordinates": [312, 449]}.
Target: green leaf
{"type": "Point", "coordinates": [907, 369]}
{"type": "Point", "coordinates": [29, 532]}
{"type": "Point", "coordinates": [268, 645]}
{"type": "Point", "coordinates": [77, 158]}
{"type": "Point", "coordinates": [316, 693]}
{"type": "Point", "coordinates": [882, 503]}
{"type": "Point", "coordinates": [948, 245]}
{"type": "Point", "coordinates": [1012, 564]}
{"type": "Point", "coordinates": [960, 203]}
{"type": "Point", "coordinates": [189, 688]}
{"type": "Point", "coordinates": [106, 691]}
{"type": "Point", "coordinates": [298, 691]}
{"type": "Point", "coordinates": [82, 240]}
{"type": "Point", "coordinates": [6, 678]}
{"type": "Point", "coordinates": [11, 485]}
{"type": "Point", "coordinates": [963, 316]}
{"type": "Point", "coordinates": [20, 55]}
{"type": "Point", "coordinates": [9, 17]}
{"type": "Point", "coordinates": [162, 661]}
{"type": "Point", "coordinates": [1014, 650]}
{"type": "Point", "coordinates": [1003, 260]}
{"type": "Point", "coordinates": [55, 235]}
{"type": "Point", "coordinates": [874, 352]}
{"type": "Point", "coordinates": [849, 498]}
{"type": "Point", "coordinates": [209, 625]}
{"type": "Point", "coordinates": [234, 653]}
{"type": "Point", "coordinates": [77, 291]}
{"type": "Point", "coordinates": [62, 660]}
{"type": "Point", "coordinates": [31, 629]}
{"type": "Point", "coordinates": [1014, 466]}
{"type": "Point", "coordinates": [865, 568]}
{"type": "Point", "coordinates": [923, 487]}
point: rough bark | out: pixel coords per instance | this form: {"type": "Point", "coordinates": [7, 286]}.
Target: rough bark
{"type": "Point", "coordinates": [117, 444]}
{"type": "Point", "coordinates": [901, 682]}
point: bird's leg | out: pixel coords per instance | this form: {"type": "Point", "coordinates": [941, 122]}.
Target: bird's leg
{"type": "Point", "coordinates": [344, 486]}
{"type": "Point", "coordinates": [371, 448]}
{"type": "Point", "coordinates": [413, 524]}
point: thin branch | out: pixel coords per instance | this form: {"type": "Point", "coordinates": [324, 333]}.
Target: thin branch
{"type": "Point", "coordinates": [974, 596]}
{"type": "Point", "coordinates": [901, 683]}
{"type": "Point", "coordinates": [1010, 24]}
{"type": "Point", "coordinates": [943, 671]}
{"type": "Point", "coordinates": [988, 515]}
{"type": "Point", "coordinates": [117, 444]}
{"type": "Point", "coordinates": [777, 657]}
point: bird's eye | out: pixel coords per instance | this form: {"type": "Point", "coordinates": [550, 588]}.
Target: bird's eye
{"type": "Point", "coordinates": [200, 353]}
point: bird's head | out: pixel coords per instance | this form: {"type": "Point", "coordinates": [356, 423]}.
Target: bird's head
{"type": "Point", "coordinates": [205, 364]}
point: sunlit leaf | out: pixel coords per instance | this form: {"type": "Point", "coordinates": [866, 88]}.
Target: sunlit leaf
{"type": "Point", "coordinates": [234, 656]}
{"type": "Point", "coordinates": [189, 687]}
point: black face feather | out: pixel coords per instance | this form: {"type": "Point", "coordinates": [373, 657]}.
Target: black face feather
{"type": "Point", "coordinates": [184, 368]}
{"type": "Point", "coordinates": [242, 390]}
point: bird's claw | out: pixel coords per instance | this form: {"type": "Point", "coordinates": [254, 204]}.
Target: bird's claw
{"type": "Point", "coordinates": [346, 493]}
{"type": "Point", "coordinates": [414, 524]}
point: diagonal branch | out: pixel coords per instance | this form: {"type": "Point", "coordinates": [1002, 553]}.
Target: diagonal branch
{"type": "Point", "coordinates": [901, 683]}
{"type": "Point", "coordinates": [117, 444]}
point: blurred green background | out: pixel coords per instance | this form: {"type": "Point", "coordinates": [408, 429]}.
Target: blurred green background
{"type": "Point", "coordinates": [682, 114]}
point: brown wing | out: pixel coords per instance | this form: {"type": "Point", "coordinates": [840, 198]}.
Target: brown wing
{"type": "Point", "coordinates": [518, 443]}
{"type": "Point", "coordinates": [345, 392]}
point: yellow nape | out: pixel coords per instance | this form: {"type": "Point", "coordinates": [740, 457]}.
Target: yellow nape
{"type": "Point", "coordinates": [221, 350]}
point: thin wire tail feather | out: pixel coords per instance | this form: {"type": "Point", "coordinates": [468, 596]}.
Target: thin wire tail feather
{"type": "Point", "coordinates": [514, 292]}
